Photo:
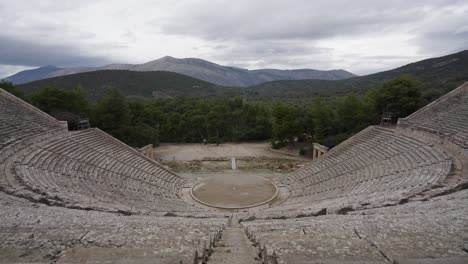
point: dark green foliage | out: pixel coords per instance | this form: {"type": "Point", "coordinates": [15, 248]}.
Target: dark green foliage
{"type": "Point", "coordinates": [64, 105]}
{"type": "Point", "coordinates": [137, 135]}
{"type": "Point", "coordinates": [329, 120]}
{"type": "Point", "coordinates": [217, 121]}
{"type": "Point", "coordinates": [438, 76]}
{"type": "Point", "coordinates": [288, 122]}
{"type": "Point", "coordinates": [302, 151]}
{"type": "Point", "coordinates": [324, 119]}
{"type": "Point", "coordinates": [134, 84]}
{"type": "Point", "coordinates": [51, 100]}
{"type": "Point", "coordinates": [9, 87]}
{"type": "Point", "coordinates": [277, 144]}
{"type": "Point", "coordinates": [401, 96]}
{"type": "Point", "coordinates": [112, 112]}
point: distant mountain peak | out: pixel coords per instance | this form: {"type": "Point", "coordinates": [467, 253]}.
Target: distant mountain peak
{"type": "Point", "coordinates": [166, 58]}
{"type": "Point", "coordinates": [49, 67]}
{"type": "Point", "coordinates": [193, 67]}
{"type": "Point", "coordinates": [33, 74]}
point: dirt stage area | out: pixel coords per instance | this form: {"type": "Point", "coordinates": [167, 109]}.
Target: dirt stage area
{"type": "Point", "coordinates": [210, 151]}
{"type": "Point", "coordinates": [249, 156]}
{"type": "Point", "coordinates": [234, 191]}
{"type": "Point", "coordinates": [212, 182]}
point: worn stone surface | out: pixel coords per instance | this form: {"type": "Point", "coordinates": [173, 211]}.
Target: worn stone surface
{"type": "Point", "coordinates": [383, 196]}
{"type": "Point", "coordinates": [34, 232]}
{"type": "Point", "coordinates": [421, 230]}
{"type": "Point", "coordinates": [234, 247]}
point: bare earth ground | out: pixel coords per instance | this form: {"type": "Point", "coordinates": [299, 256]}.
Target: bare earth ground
{"type": "Point", "coordinates": [211, 158]}
{"type": "Point", "coordinates": [222, 186]}
{"type": "Point", "coordinates": [238, 177]}
{"type": "Point", "coordinates": [228, 150]}
{"type": "Point", "coordinates": [234, 190]}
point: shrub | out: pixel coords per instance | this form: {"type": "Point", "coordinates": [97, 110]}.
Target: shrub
{"type": "Point", "coordinates": [302, 151]}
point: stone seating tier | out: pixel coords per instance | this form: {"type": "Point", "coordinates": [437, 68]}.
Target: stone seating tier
{"type": "Point", "coordinates": [43, 231]}
{"type": "Point", "coordinates": [87, 167]}
{"type": "Point", "coordinates": [429, 232]}
{"type": "Point", "coordinates": [447, 117]}
{"type": "Point", "coordinates": [373, 166]}
{"type": "Point", "coordinates": [21, 121]}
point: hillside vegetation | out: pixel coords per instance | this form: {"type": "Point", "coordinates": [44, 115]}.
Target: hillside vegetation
{"type": "Point", "coordinates": [133, 84]}
{"type": "Point", "coordinates": [438, 75]}
{"type": "Point", "coordinates": [139, 121]}
{"type": "Point", "coordinates": [193, 67]}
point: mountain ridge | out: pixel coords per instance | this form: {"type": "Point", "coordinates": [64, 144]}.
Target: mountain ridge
{"type": "Point", "coordinates": [443, 72]}
{"type": "Point", "coordinates": [438, 76]}
{"type": "Point", "coordinates": [193, 67]}
{"type": "Point", "coordinates": [157, 84]}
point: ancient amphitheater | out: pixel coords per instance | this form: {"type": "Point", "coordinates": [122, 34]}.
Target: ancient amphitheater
{"type": "Point", "coordinates": [386, 195]}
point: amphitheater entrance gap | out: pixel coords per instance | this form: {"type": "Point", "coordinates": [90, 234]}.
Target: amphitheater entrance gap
{"type": "Point", "coordinates": [234, 192]}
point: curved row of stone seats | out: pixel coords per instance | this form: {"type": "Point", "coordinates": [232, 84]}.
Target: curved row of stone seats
{"type": "Point", "coordinates": [94, 170]}
{"type": "Point", "coordinates": [41, 160]}
{"type": "Point", "coordinates": [374, 165]}
{"type": "Point", "coordinates": [446, 117]}
{"type": "Point", "coordinates": [33, 233]}
{"type": "Point", "coordinates": [424, 231]}
{"type": "Point", "coordinates": [21, 121]}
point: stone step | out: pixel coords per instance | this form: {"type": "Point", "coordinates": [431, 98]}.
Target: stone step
{"type": "Point", "coordinates": [234, 247]}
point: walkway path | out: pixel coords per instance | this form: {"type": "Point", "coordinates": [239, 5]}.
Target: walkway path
{"type": "Point", "coordinates": [234, 247]}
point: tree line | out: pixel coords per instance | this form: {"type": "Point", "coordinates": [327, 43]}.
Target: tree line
{"type": "Point", "coordinates": [139, 121]}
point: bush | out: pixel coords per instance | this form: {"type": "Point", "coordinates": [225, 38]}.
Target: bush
{"type": "Point", "coordinates": [302, 151]}
{"type": "Point", "coordinates": [277, 144]}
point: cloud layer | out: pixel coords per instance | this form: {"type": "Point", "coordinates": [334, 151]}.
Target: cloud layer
{"type": "Point", "coordinates": [359, 36]}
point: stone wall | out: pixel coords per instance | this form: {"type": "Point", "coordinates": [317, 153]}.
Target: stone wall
{"type": "Point", "coordinates": [147, 151]}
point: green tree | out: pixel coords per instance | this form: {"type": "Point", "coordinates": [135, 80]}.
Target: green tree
{"type": "Point", "coordinates": [52, 100]}
{"type": "Point", "coordinates": [323, 118]}
{"type": "Point", "coordinates": [138, 135]}
{"type": "Point", "coordinates": [257, 124]}
{"type": "Point", "coordinates": [370, 107]}
{"type": "Point", "coordinates": [112, 112]}
{"type": "Point", "coordinates": [351, 115]}
{"type": "Point", "coordinates": [400, 96]}
{"type": "Point", "coordinates": [216, 124]}
{"type": "Point", "coordinates": [9, 87]}
{"type": "Point", "coordinates": [287, 122]}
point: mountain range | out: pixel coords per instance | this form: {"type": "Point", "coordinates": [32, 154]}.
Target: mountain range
{"type": "Point", "coordinates": [158, 84]}
{"type": "Point", "coordinates": [438, 76]}
{"type": "Point", "coordinates": [196, 68]}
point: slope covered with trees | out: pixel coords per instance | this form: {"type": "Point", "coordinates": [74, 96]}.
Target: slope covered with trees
{"type": "Point", "coordinates": [438, 75]}
{"type": "Point", "coordinates": [139, 121]}
{"type": "Point", "coordinates": [193, 67]}
{"type": "Point", "coordinates": [133, 84]}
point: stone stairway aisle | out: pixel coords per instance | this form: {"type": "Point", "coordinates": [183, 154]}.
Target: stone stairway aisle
{"type": "Point", "coordinates": [234, 247]}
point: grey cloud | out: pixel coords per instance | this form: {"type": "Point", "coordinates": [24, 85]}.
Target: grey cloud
{"type": "Point", "coordinates": [244, 33]}
{"type": "Point", "coordinates": [285, 33]}
{"type": "Point", "coordinates": [260, 54]}
{"type": "Point", "coordinates": [311, 20]}
{"type": "Point", "coordinates": [442, 42]}
{"type": "Point", "coordinates": [20, 52]}
{"type": "Point", "coordinates": [129, 36]}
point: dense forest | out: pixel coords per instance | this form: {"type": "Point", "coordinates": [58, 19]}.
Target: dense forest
{"type": "Point", "coordinates": [138, 121]}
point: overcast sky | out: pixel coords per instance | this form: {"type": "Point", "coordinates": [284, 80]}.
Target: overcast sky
{"type": "Point", "coordinates": [359, 36]}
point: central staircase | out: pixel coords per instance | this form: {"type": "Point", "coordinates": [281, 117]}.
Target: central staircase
{"type": "Point", "coordinates": [234, 247]}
